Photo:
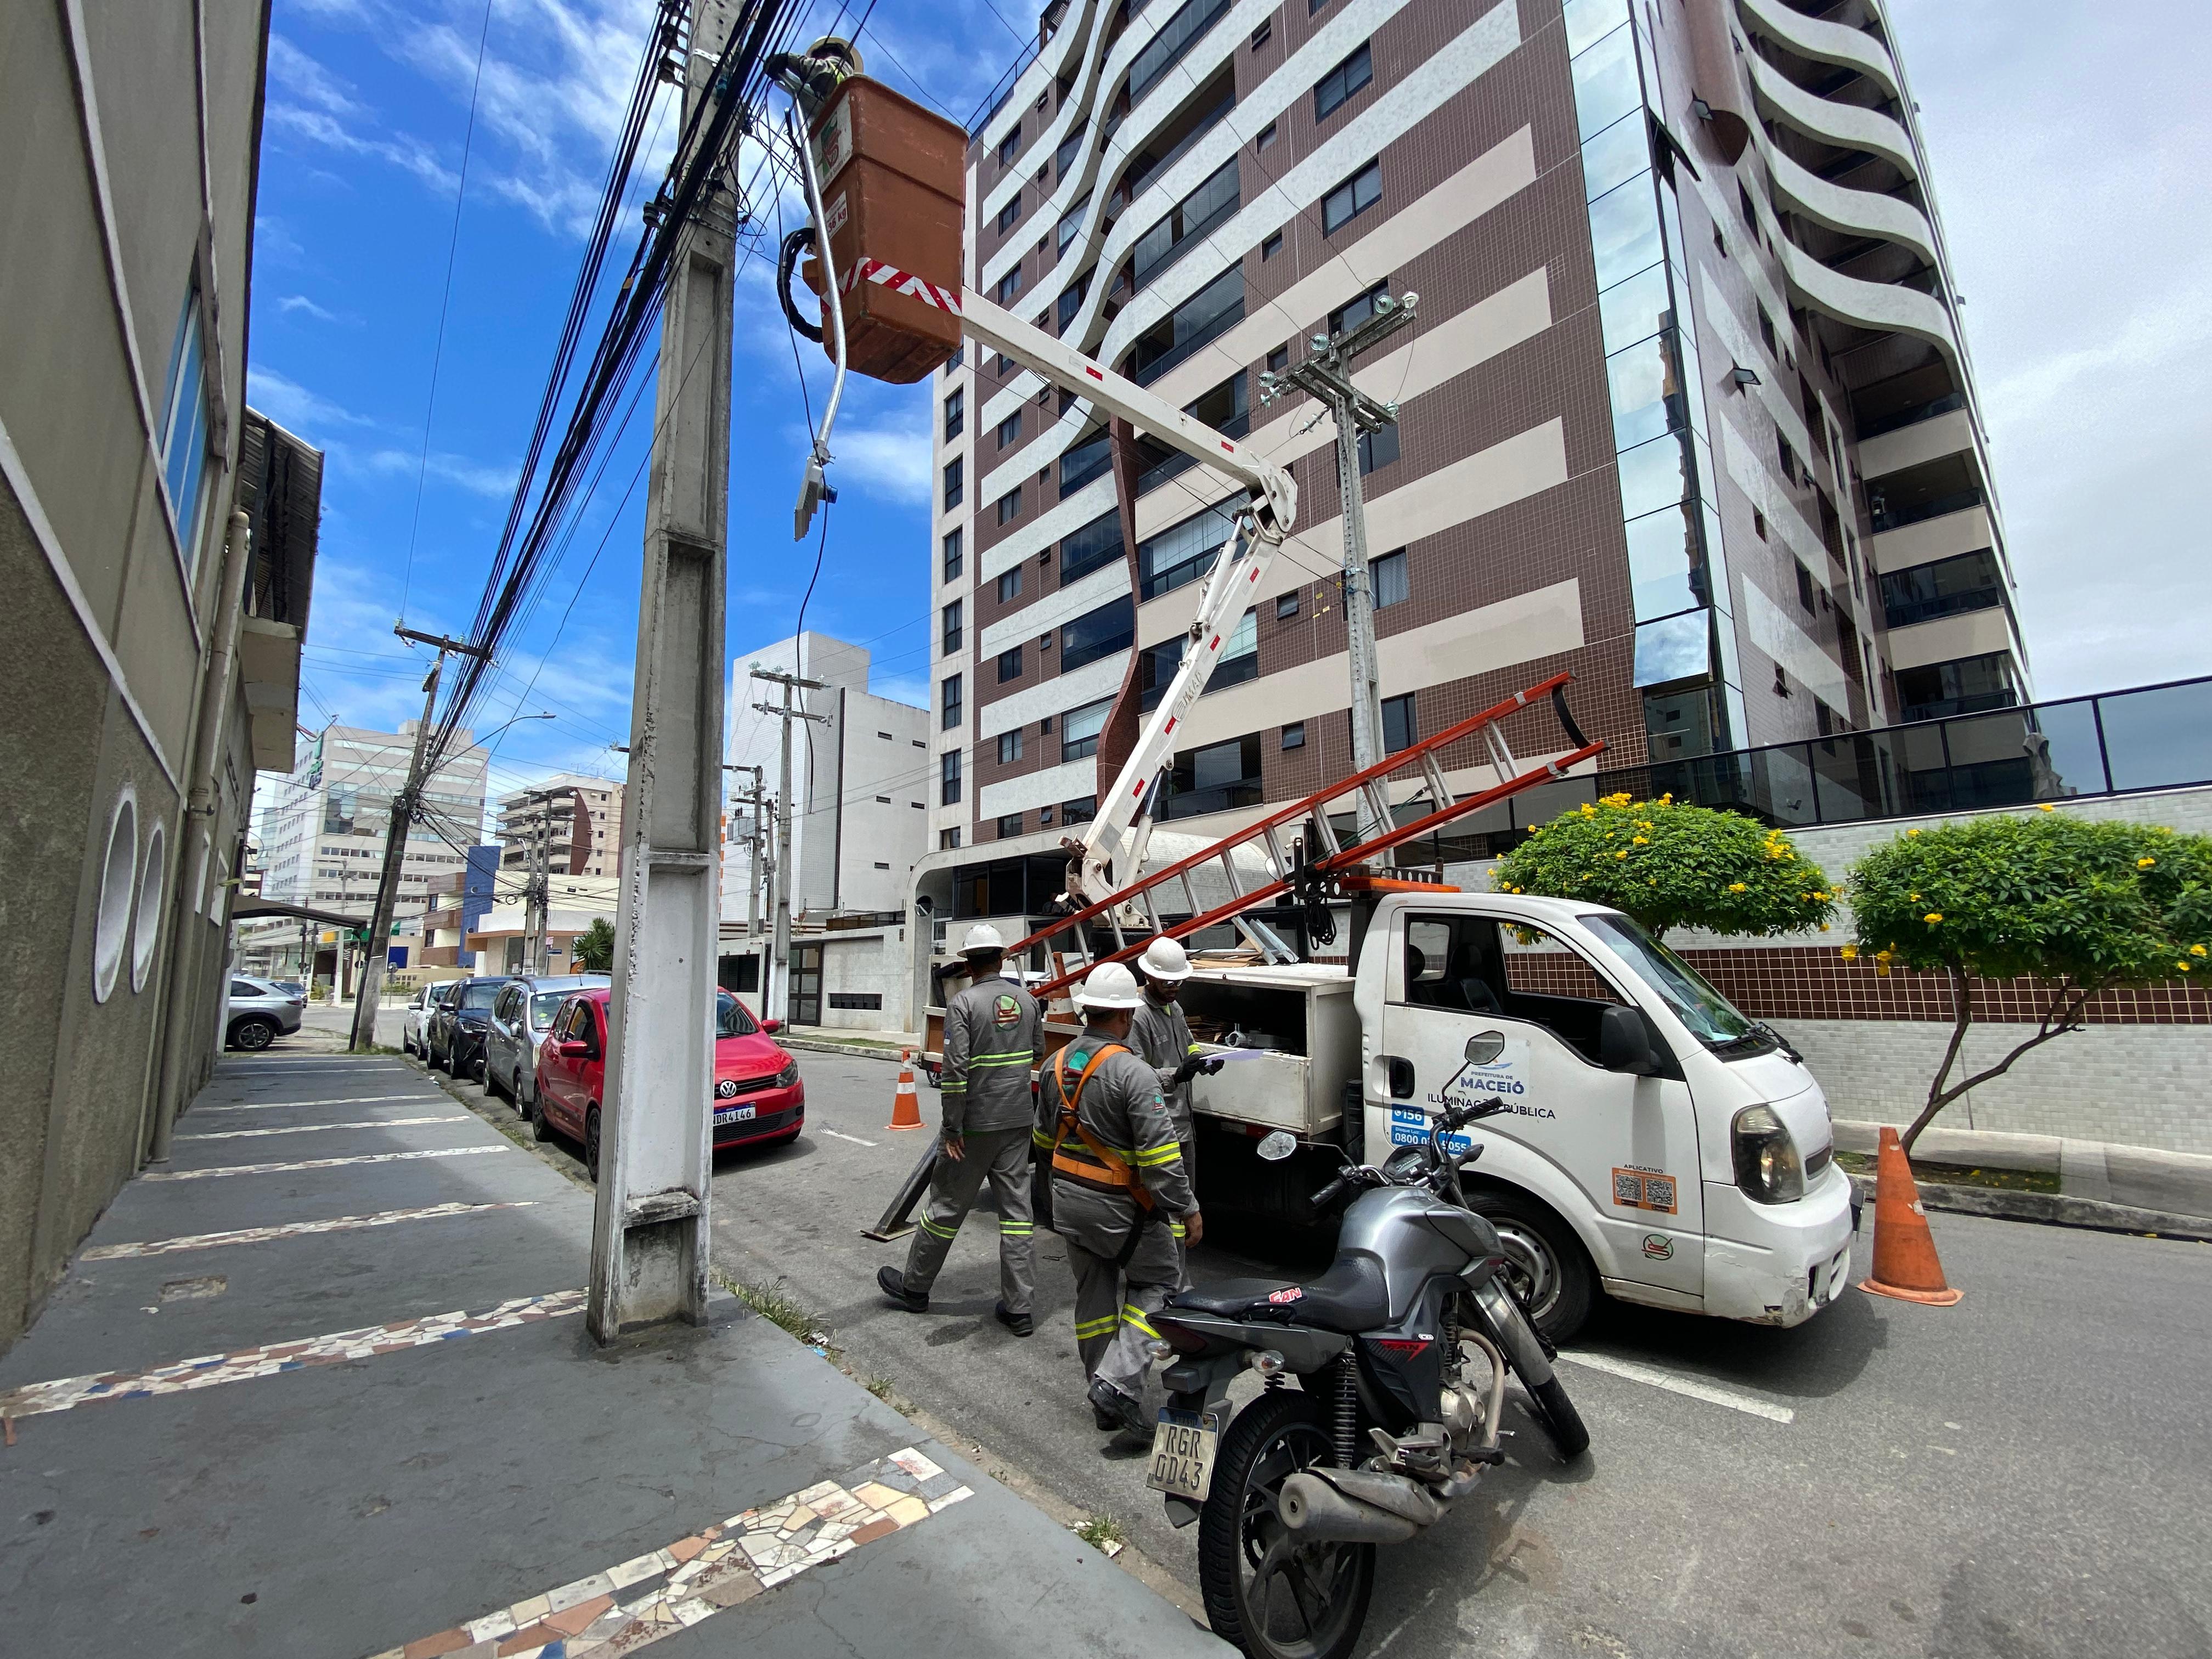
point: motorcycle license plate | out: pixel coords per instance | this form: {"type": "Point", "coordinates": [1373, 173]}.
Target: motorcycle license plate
{"type": "Point", "coordinates": [732, 1114]}
{"type": "Point", "coordinates": [1183, 1444]}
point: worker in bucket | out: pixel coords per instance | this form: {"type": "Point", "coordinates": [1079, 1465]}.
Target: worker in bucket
{"type": "Point", "coordinates": [991, 1033]}
{"type": "Point", "coordinates": [1160, 1036]}
{"type": "Point", "coordinates": [1120, 1199]}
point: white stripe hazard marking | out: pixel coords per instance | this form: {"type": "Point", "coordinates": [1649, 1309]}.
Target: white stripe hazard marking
{"type": "Point", "coordinates": [855, 1140]}
{"type": "Point", "coordinates": [316, 1163]}
{"type": "Point", "coordinates": [316, 1129]}
{"type": "Point", "coordinates": [339, 1223]}
{"type": "Point", "coordinates": [344, 1100]}
{"type": "Point", "coordinates": [1750, 1405]}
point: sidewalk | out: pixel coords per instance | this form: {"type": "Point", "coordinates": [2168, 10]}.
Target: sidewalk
{"type": "Point", "coordinates": [2100, 1183]}
{"type": "Point", "coordinates": [319, 1386]}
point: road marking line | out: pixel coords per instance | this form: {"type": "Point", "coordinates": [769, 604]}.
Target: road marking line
{"type": "Point", "coordinates": [67, 1393]}
{"type": "Point", "coordinates": [636, 1603]}
{"type": "Point", "coordinates": [317, 1164]}
{"type": "Point", "coordinates": [1749, 1405]}
{"type": "Point", "coordinates": [855, 1140]}
{"type": "Point", "coordinates": [341, 1223]}
{"type": "Point", "coordinates": [317, 1128]}
{"type": "Point", "coordinates": [349, 1100]}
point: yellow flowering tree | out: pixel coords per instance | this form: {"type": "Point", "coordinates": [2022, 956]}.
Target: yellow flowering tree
{"type": "Point", "coordinates": [1669, 865]}
{"type": "Point", "coordinates": [2080, 906]}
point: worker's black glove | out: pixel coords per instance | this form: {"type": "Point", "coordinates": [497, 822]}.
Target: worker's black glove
{"type": "Point", "coordinates": [1196, 1066]}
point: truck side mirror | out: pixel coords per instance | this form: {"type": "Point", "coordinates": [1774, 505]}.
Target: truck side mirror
{"type": "Point", "coordinates": [1624, 1044]}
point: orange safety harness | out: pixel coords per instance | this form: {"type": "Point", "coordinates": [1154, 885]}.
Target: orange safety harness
{"type": "Point", "coordinates": [1105, 1167]}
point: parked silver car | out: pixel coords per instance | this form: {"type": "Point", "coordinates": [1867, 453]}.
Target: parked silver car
{"type": "Point", "coordinates": [519, 1019]}
{"type": "Point", "coordinates": [259, 1014]}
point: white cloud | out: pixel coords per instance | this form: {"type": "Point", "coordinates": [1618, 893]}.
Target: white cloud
{"type": "Point", "coordinates": [403, 151]}
{"type": "Point", "coordinates": [890, 461]}
{"type": "Point", "coordinates": [301, 303]}
{"type": "Point", "coordinates": [292, 71]}
{"type": "Point", "coordinates": [474, 476]}
{"type": "Point", "coordinates": [294, 407]}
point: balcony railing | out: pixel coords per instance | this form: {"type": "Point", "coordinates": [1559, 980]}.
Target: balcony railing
{"type": "Point", "coordinates": [2117, 742]}
{"type": "Point", "coordinates": [1888, 518]}
{"type": "Point", "coordinates": [1898, 420]}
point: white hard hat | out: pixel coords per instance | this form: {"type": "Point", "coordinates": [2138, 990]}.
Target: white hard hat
{"type": "Point", "coordinates": [981, 938]}
{"type": "Point", "coordinates": [1110, 986]}
{"type": "Point", "coordinates": [1164, 959]}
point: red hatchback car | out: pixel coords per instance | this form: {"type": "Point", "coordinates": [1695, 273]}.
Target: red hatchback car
{"type": "Point", "coordinates": [758, 1097]}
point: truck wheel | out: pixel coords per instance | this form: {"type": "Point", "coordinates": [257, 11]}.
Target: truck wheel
{"type": "Point", "coordinates": [1545, 1265]}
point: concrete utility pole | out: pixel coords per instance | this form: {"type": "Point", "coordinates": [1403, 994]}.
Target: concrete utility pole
{"type": "Point", "coordinates": [649, 1233]}
{"type": "Point", "coordinates": [538, 897]}
{"type": "Point", "coordinates": [753, 802]}
{"type": "Point", "coordinates": [778, 1005]}
{"type": "Point", "coordinates": [397, 828]}
{"type": "Point", "coordinates": [1326, 375]}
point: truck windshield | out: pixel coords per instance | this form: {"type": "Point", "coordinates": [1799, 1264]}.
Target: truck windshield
{"type": "Point", "coordinates": [1711, 1018]}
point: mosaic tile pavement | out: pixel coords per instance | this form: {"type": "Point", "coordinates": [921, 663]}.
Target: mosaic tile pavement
{"type": "Point", "coordinates": [67, 1393]}
{"type": "Point", "coordinates": [349, 1100]}
{"type": "Point", "coordinates": [657, 1593]}
{"type": "Point", "coordinates": [336, 1224]}
{"type": "Point", "coordinates": [316, 1129]}
{"type": "Point", "coordinates": [317, 1164]}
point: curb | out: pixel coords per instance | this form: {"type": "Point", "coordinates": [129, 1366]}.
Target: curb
{"type": "Point", "coordinates": [825, 1046]}
{"type": "Point", "coordinates": [2051, 1210]}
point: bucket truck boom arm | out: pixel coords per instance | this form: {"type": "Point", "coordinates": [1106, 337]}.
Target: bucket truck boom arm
{"type": "Point", "coordinates": [1269, 510]}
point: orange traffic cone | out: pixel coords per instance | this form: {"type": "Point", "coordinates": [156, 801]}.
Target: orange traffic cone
{"type": "Point", "coordinates": [1905, 1264]}
{"type": "Point", "coordinates": [906, 1110]}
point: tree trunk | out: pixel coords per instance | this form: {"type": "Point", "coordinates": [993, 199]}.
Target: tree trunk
{"type": "Point", "coordinates": [2064, 1015]}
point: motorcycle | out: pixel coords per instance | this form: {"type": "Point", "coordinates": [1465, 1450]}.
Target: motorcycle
{"type": "Point", "coordinates": [1401, 1351]}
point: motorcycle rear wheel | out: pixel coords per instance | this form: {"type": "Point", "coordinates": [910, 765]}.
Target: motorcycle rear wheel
{"type": "Point", "coordinates": [1272, 1599]}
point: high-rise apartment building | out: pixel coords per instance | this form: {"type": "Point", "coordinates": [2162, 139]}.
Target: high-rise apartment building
{"type": "Point", "coordinates": [574, 819]}
{"type": "Point", "coordinates": [1687, 409]}
{"type": "Point", "coordinates": [323, 843]}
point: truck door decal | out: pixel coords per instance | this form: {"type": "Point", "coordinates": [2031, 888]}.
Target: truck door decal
{"type": "Point", "coordinates": [1503, 1081]}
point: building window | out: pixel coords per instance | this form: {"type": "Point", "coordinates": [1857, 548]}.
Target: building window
{"type": "Point", "coordinates": [1079, 729]}
{"type": "Point", "coordinates": [959, 356]}
{"type": "Point", "coordinates": [954, 559]}
{"type": "Point", "coordinates": [1010, 429]}
{"type": "Point", "coordinates": [1946, 587]}
{"type": "Point", "coordinates": [1743, 206]}
{"type": "Point", "coordinates": [1097, 634]}
{"type": "Point", "coordinates": [183, 437]}
{"type": "Point", "coordinates": [1205, 317]}
{"type": "Point", "coordinates": [1378, 448]}
{"type": "Point", "coordinates": [1044, 817]}
{"type": "Point", "coordinates": [1294, 735]}
{"type": "Point", "coordinates": [1805, 589]}
{"type": "Point", "coordinates": [1341, 82]}
{"type": "Point", "coordinates": [1009, 506]}
{"type": "Point", "coordinates": [948, 840]}
{"type": "Point", "coordinates": [1399, 731]}
{"type": "Point", "coordinates": [1010, 285]}
{"type": "Point", "coordinates": [1010, 214]}
{"type": "Point", "coordinates": [1010, 585]}
{"type": "Point", "coordinates": [1352, 313]}
{"type": "Point", "coordinates": [1271, 244]}
{"type": "Point", "coordinates": [1093, 547]}
{"type": "Point", "coordinates": [948, 779]}
{"type": "Point", "coordinates": [1240, 655]}
{"type": "Point", "coordinates": [956, 411]}
{"type": "Point", "coordinates": [1183, 552]}
{"type": "Point", "coordinates": [955, 707]}
{"type": "Point", "coordinates": [858, 999]}
{"type": "Point", "coordinates": [1352, 198]}
{"type": "Point", "coordinates": [1388, 580]}
{"type": "Point", "coordinates": [1010, 146]}
{"type": "Point", "coordinates": [1278, 360]}
{"type": "Point", "coordinates": [1216, 198]}
{"type": "Point", "coordinates": [1286, 606]}
{"type": "Point", "coordinates": [1081, 810]}
{"type": "Point", "coordinates": [1766, 333]}
{"type": "Point", "coordinates": [1260, 35]}
{"type": "Point", "coordinates": [1758, 523]}
{"type": "Point", "coordinates": [1176, 36]}
{"type": "Point", "coordinates": [955, 482]}
{"type": "Point", "coordinates": [1010, 664]}
{"type": "Point", "coordinates": [1010, 824]}
{"type": "Point", "coordinates": [1787, 457]}
{"type": "Point", "coordinates": [1268, 136]}
{"type": "Point", "coordinates": [1010, 746]}
{"type": "Point", "coordinates": [952, 629]}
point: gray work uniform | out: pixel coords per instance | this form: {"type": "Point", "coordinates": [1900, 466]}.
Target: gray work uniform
{"type": "Point", "coordinates": [1095, 1214]}
{"type": "Point", "coordinates": [1161, 1039]}
{"type": "Point", "coordinates": [991, 1032]}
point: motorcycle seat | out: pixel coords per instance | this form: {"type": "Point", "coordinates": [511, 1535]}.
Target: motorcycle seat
{"type": "Point", "coordinates": [1350, 1298]}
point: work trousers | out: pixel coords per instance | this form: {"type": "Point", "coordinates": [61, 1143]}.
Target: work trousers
{"type": "Point", "coordinates": [1002, 1157]}
{"type": "Point", "coordinates": [1114, 1305]}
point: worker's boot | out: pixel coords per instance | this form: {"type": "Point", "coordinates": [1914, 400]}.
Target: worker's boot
{"type": "Point", "coordinates": [1019, 1323]}
{"type": "Point", "coordinates": [1112, 1409]}
{"type": "Point", "coordinates": [893, 1284]}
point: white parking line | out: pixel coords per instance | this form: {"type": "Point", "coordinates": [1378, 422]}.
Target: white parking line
{"type": "Point", "coordinates": [1750, 1405]}
{"type": "Point", "coordinates": [317, 1128]}
{"type": "Point", "coordinates": [350, 1100]}
{"type": "Point", "coordinates": [319, 1164]}
{"type": "Point", "coordinates": [855, 1140]}
{"type": "Point", "coordinates": [341, 1223]}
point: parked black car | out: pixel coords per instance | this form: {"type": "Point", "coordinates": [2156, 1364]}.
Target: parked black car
{"type": "Point", "coordinates": [455, 1035]}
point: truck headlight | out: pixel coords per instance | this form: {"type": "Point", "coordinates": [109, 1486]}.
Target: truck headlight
{"type": "Point", "coordinates": [1767, 1166]}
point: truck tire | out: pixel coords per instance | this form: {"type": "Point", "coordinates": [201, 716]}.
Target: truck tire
{"type": "Point", "coordinates": [1546, 1267]}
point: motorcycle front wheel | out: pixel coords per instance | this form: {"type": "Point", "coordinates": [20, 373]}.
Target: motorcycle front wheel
{"type": "Point", "coordinates": [1272, 1596]}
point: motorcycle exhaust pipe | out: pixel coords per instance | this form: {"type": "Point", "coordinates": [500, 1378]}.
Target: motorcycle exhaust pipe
{"type": "Point", "coordinates": [1314, 1509]}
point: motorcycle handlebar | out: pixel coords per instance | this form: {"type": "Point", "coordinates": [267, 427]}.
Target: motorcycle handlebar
{"type": "Point", "coordinates": [1328, 1194]}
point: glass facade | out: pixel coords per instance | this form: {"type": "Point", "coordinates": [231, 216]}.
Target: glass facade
{"type": "Point", "coordinates": [1685, 654]}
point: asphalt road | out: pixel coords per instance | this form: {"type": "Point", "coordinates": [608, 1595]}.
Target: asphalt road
{"type": "Point", "coordinates": [2023, 1475]}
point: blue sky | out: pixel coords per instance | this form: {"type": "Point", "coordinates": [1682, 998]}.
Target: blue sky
{"type": "Point", "coordinates": [367, 111]}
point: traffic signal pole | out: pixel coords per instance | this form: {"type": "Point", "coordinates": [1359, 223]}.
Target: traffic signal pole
{"type": "Point", "coordinates": [649, 1235]}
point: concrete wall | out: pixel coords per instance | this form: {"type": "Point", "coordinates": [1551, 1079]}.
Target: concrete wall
{"type": "Point", "coordinates": [114, 209]}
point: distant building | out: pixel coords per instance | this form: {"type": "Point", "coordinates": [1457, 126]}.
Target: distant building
{"type": "Point", "coordinates": [324, 840]}
{"type": "Point", "coordinates": [579, 828]}
{"type": "Point", "coordinates": [860, 819]}
{"type": "Point", "coordinates": [500, 937]}
{"type": "Point", "coordinates": [457, 902]}
{"type": "Point", "coordinates": [153, 641]}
